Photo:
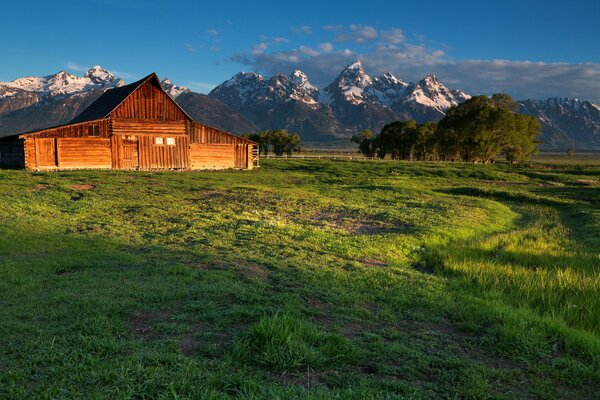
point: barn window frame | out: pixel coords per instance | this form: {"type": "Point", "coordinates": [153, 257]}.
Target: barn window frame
{"type": "Point", "coordinates": [170, 141]}
{"type": "Point", "coordinates": [159, 141]}
{"type": "Point", "coordinates": [93, 130]}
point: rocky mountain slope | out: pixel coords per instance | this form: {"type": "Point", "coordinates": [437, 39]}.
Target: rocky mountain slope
{"type": "Point", "coordinates": [352, 102]}
{"type": "Point", "coordinates": [566, 122]}
{"type": "Point", "coordinates": [249, 102]}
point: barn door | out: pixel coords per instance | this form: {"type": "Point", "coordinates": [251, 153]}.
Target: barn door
{"type": "Point", "coordinates": [131, 159]}
{"type": "Point", "coordinates": [45, 152]}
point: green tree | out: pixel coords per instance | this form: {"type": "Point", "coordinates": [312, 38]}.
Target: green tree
{"type": "Point", "coordinates": [262, 138]}
{"type": "Point", "coordinates": [523, 142]}
{"type": "Point", "coordinates": [366, 143]}
{"type": "Point", "coordinates": [482, 127]}
{"type": "Point", "coordinates": [570, 153]}
{"type": "Point", "coordinates": [398, 139]}
{"type": "Point", "coordinates": [426, 145]}
{"type": "Point", "coordinates": [283, 141]}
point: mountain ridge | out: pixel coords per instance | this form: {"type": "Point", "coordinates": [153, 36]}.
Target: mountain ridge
{"type": "Point", "coordinates": [249, 102]}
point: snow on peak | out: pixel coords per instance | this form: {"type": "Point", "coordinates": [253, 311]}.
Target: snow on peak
{"type": "Point", "coordinates": [97, 74]}
{"type": "Point", "coordinates": [430, 92]}
{"type": "Point", "coordinates": [172, 89]}
{"type": "Point", "coordinates": [350, 84]}
{"type": "Point", "coordinates": [63, 83]}
{"type": "Point", "coordinates": [355, 65]}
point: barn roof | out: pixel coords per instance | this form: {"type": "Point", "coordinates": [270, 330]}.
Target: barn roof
{"type": "Point", "coordinates": [112, 98]}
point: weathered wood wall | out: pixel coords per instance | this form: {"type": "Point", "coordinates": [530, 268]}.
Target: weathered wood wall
{"type": "Point", "coordinates": [212, 156]}
{"type": "Point", "coordinates": [142, 152]}
{"type": "Point", "coordinates": [12, 152]}
{"type": "Point", "coordinates": [75, 153]}
{"type": "Point", "coordinates": [212, 148]}
{"type": "Point", "coordinates": [149, 102]}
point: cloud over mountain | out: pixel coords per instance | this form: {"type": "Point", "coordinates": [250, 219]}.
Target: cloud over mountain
{"type": "Point", "coordinates": [382, 50]}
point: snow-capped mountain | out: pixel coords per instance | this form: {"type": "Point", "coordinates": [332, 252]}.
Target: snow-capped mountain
{"type": "Point", "coordinates": [62, 83]}
{"type": "Point", "coordinates": [249, 88]}
{"type": "Point", "coordinates": [386, 89]}
{"type": "Point", "coordinates": [349, 86]}
{"type": "Point", "coordinates": [172, 89]}
{"type": "Point", "coordinates": [566, 122]}
{"type": "Point", "coordinates": [249, 102]}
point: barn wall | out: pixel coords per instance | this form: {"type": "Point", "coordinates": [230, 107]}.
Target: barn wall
{"type": "Point", "coordinates": [80, 130]}
{"type": "Point", "coordinates": [215, 149]}
{"type": "Point", "coordinates": [12, 152]}
{"type": "Point", "coordinates": [143, 127]}
{"type": "Point", "coordinates": [75, 153]}
{"type": "Point", "coordinates": [149, 102]}
{"type": "Point", "coordinates": [142, 152]}
{"type": "Point", "coordinates": [212, 156]}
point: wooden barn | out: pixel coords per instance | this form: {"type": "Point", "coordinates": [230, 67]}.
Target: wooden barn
{"type": "Point", "coordinates": [137, 126]}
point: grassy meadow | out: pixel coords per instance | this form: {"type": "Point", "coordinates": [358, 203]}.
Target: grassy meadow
{"type": "Point", "coordinates": [305, 279]}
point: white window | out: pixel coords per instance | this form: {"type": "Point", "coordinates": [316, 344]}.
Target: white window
{"type": "Point", "coordinates": [170, 141]}
{"type": "Point", "coordinates": [158, 140]}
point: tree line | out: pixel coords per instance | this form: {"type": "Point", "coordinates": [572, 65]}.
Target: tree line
{"type": "Point", "coordinates": [279, 141]}
{"type": "Point", "coordinates": [477, 130]}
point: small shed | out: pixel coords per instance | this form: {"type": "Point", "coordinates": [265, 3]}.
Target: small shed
{"type": "Point", "coordinates": [134, 127]}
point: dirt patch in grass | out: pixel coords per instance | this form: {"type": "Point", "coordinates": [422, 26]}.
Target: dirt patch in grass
{"type": "Point", "coordinates": [189, 344]}
{"type": "Point", "coordinates": [142, 324]}
{"type": "Point", "coordinates": [215, 339]}
{"type": "Point", "coordinates": [323, 310]}
{"type": "Point", "coordinates": [83, 186]}
{"type": "Point", "coordinates": [39, 188]}
{"type": "Point", "coordinates": [585, 182]}
{"type": "Point", "coordinates": [252, 271]}
{"type": "Point", "coordinates": [355, 223]}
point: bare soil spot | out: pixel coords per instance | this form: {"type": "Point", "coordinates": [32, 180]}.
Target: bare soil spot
{"type": "Point", "coordinates": [354, 329]}
{"type": "Point", "coordinates": [189, 344]}
{"type": "Point", "coordinates": [142, 324]}
{"type": "Point", "coordinates": [83, 186]}
{"type": "Point", "coordinates": [252, 271]}
{"type": "Point", "coordinates": [357, 224]}
{"type": "Point", "coordinates": [216, 337]}
{"type": "Point", "coordinates": [585, 182]}
{"type": "Point", "coordinates": [39, 188]}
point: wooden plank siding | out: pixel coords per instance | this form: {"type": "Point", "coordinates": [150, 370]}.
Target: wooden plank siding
{"type": "Point", "coordinates": [149, 102]}
{"type": "Point", "coordinates": [209, 147]}
{"type": "Point", "coordinates": [77, 153]}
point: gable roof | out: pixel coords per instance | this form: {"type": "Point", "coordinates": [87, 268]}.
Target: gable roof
{"type": "Point", "coordinates": [112, 98]}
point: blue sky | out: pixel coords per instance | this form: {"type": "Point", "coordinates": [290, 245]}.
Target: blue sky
{"type": "Point", "coordinates": [526, 48]}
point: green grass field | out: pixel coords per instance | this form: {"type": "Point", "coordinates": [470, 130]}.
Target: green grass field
{"type": "Point", "coordinates": [302, 280]}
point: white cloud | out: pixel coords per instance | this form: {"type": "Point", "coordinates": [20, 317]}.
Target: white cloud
{"type": "Point", "coordinates": [393, 36]}
{"type": "Point", "coordinates": [389, 50]}
{"type": "Point", "coordinates": [259, 49]}
{"type": "Point", "coordinates": [281, 40]}
{"type": "Point", "coordinates": [306, 29]}
{"type": "Point", "coordinates": [212, 32]}
{"type": "Point", "coordinates": [357, 34]}
{"type": "Point", "coordinates": [326, 47]}
{"type": "Point", "coordinates": [76, 67]}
